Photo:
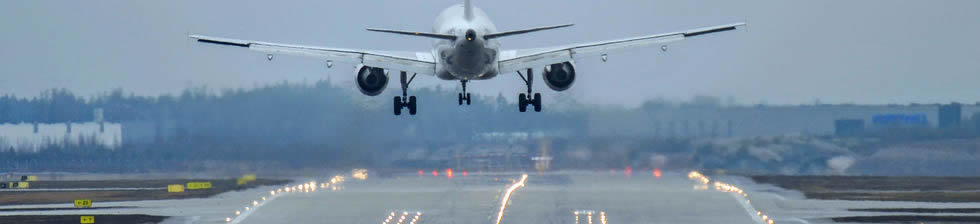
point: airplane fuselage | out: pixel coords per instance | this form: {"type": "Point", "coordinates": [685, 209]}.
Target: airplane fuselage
{"type": "Point", "coordinates": [469, 57]}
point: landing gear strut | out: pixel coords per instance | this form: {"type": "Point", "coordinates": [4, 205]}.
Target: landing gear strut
{"type": "Point", "coordinates": [405, 100]}
{"type": "Point", "coordinates": [464, 96]}
{"type": "Point", "coordinates": [523, 100]}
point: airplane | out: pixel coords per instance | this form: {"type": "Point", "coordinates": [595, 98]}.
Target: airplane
{"type": "Point", "coordinates": [466, 48]}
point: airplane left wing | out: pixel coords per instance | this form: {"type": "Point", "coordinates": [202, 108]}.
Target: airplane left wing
{"type": "Point", "coordinates": [516, 60]}
{"type": "Point", "coordinates": [412, 62]}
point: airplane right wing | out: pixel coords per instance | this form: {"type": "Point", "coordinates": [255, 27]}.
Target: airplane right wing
{"type": "Point", "coordinates": [516, 60]}
{"type": "Point", "coordinates": [412, 62]}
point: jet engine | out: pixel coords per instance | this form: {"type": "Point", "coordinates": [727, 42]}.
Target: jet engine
{"type": "Point", "coordinates": [370, 80]}
{"type": "Point", "coordinates": [559, 77]}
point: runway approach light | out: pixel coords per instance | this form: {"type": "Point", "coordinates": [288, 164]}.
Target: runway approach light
{"type": "Point", "coordinates": [435, 173]}
{"type": "Point", "coordinates": [449, 173]}
{"type": "Point", "coordinates": [337, 179]}
{"type": "Point", "coordinates": [506, 199]}
{"type": "Point", "coordinates": [656, 173]}
{"type": "Point", "coordinates": [359, 174]}
{"type": "Point", "coordinates": [421, 174]}
{"type": "Point", "coordinates": [605, 57]}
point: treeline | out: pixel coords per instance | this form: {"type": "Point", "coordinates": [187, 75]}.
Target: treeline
{"type": "Point", "coordinates": [290, 125]}
{"type": "Point", "coordinates": [289, 113]}
{"type": "Point", "coordinates": [286, 124]}
{"type": "Point", "coordinates": [55, 105]}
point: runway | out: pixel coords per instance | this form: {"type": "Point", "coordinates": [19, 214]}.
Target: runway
{"type": "Point", "coordinates": [558, 197]}
{"type": "Point", "coordinates": [548, 198]}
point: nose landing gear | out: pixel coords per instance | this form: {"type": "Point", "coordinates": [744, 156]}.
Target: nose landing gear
{"type": "Point", "coordinates": [464, 96]}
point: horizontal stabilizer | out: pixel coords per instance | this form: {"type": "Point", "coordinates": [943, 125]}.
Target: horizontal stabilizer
{"type": "Point", "coordinates": [421, 34]}
{"type": "Point", "coordinates": [516, 32]}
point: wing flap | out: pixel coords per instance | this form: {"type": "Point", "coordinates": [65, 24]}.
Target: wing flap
{"type": "Point", "coordinates": [514, 60]}
{"type": "Point", "coordinates": [339, 55]}
{"type": "Point", "coordinates": [414, 62]}
{"type": "Point", "coordinates": [601, 47]}
{"type": "Point", "coordinates": [535, 60]}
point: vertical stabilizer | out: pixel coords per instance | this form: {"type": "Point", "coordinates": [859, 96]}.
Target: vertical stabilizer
{"type": "Point", "coordinates": [468, 10]}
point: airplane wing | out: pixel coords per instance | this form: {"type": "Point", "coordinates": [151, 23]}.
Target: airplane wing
{"type": "Point", "coordinates": [412, 62]}
{"type": "Point", "coordinates": [516, 60]}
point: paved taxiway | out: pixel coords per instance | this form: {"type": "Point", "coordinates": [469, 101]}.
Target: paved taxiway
{"type": "Point", "coordinates": [197, 210]}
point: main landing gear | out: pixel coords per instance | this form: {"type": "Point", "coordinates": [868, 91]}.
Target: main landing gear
{"type": "Point", "coordinates": [464, 96]}
{"type": "Point", "coordinates": [523, 100]}
{"type": "Point", "coordinates": [405, 100]}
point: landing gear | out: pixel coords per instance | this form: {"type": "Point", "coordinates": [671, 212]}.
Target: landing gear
{"type": "Point", "coordinates": [464, 96]}
{"type": "Point", "coordinates": [405, 100]}
{"type": "Point", "coordinates": [523, 100]}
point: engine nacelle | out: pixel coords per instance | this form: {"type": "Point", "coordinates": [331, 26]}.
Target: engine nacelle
{"type": "Point", "coordinates": [559, 77]}
{"type": "Point", "coordinates": [370, 80]}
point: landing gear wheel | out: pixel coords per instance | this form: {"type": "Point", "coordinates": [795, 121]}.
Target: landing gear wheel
{"type": "Point", "coordinates": [398, 105]}
{"type": "Point", "coordinates": [537, 102]}
{"type": "Point", "coordinates": [464, 96]}
{"type": "Point", "coordinates": [522, 102]}
{"type": "Point", "coordinates": [411, 105]}
{"type": "Point", "coordinates": [405, 100]}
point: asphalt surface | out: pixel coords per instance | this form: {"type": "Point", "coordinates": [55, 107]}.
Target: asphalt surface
{"type": "Point", "coordinates": [547, 198]}
{"type": "Point", "coordinates": [788, 206]}
{"type": "Point", "coordinates": [551, 198]}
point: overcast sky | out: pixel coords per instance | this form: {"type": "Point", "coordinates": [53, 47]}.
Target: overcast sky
{"type": "Point", "coordinates": [869, 51]}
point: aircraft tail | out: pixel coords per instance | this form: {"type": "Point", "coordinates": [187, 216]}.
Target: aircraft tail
{"type": "Point", "coordinates": [468, 10]}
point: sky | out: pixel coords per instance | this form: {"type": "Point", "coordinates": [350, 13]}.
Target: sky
{"type": "Point", "coordinates": [792, 52]}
